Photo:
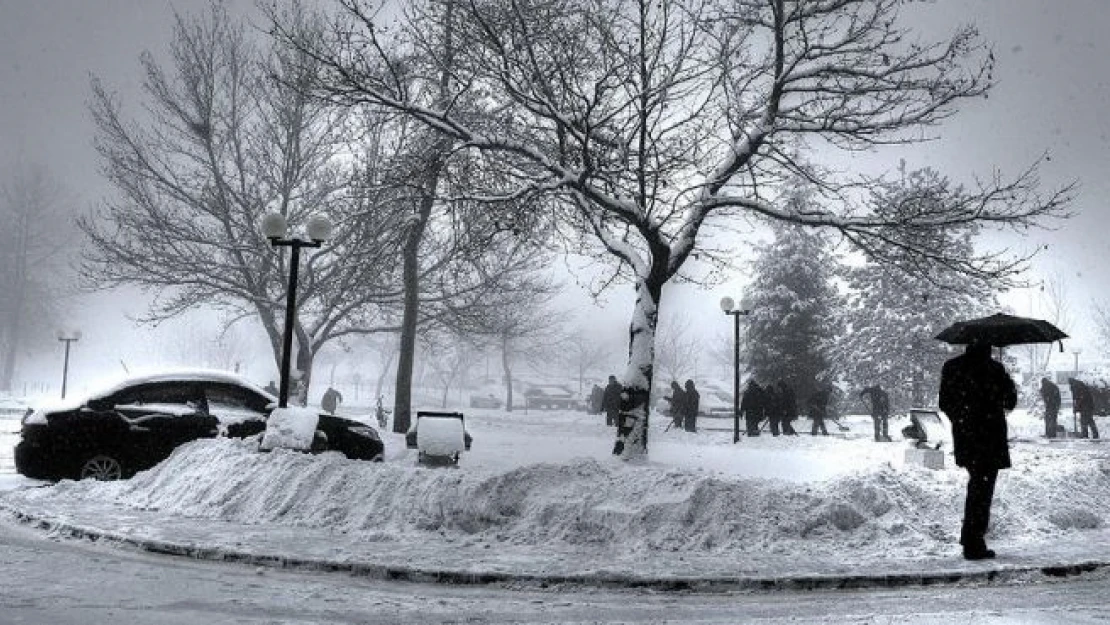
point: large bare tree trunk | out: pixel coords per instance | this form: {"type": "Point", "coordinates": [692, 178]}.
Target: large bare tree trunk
{"type": "Point", "coordinates": [402, 397]}
{"type": "Point", "coordinates": [632, 435]}
{"type": "Point", "coordinates": [507, 373]}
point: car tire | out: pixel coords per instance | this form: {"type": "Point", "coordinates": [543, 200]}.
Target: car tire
{"type": "Point", "coordinates": [103, 467]}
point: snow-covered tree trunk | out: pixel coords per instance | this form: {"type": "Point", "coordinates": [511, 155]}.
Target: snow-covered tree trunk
{"type": "Point", "coordinates": [632, 435]}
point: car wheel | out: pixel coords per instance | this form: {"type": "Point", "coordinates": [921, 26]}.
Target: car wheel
{"type": "Point", "coordinates": [102, 467]}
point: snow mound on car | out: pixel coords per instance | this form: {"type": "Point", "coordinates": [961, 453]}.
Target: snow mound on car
{"type": "Point", "coordinates": [606, 504]}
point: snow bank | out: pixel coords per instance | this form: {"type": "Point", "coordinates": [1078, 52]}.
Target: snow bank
{"type": "Point", "coordinates": [290, 428]}
{"type": "Point", "coordinates": [875, 509]}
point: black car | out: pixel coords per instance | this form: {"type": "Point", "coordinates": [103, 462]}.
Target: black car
{"type": "Point", "coordinates": [137, 424]}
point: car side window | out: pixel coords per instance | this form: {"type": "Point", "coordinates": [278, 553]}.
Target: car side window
{"type": "Point", "coordinates": [231, 404]}
{"type": "Point", "coordinates": [172, 398]}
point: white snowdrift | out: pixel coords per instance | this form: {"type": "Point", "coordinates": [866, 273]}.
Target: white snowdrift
{"type": "Point", "coordinates": [870, 508]}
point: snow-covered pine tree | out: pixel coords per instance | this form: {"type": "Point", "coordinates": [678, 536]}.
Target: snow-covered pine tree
{"type": "Point", "coordinates": [892, 315]}
{"type": "Point", "coordinates": [793, 319]}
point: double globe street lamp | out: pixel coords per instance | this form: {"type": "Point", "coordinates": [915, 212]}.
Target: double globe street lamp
{"type": "Point", "coordinates": [729, 306]}
{"type": "Point", "coordinates": [276, 229]}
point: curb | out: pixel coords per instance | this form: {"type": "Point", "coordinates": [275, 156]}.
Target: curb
{"type": "Point", "coordinates": [371, 570]}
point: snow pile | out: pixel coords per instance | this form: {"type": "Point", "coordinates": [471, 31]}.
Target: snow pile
{"type": "Point", "coordinates": [290, 428]}
{"type": "Point", "coordinates": [870, 506]}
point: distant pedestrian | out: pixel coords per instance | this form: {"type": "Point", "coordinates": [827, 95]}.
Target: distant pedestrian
{"type": "Point", "coordinates": [271, 388]}
{"type": "Point", "coordinates": [880, 411]}
{"type": "Point", "coordinates": [691, 402]}
{"type": "Point", "coordinates": [788, 408]}
{"type": "Point", "coordinates": [752, 407]}
{"type": "Point", "coordinates": [976, 392]}
{"type": "Point", "coordinates": [1083, 403]}
{"type": "Point", "coordinates": [596, 395]}
{"type": "Point", "coordinates": [1050, 395]}
{"type": "Point", "coordinates": [331, 400]}
{"type": "Point", "coordinates": [818, 408]}
{"type": "Point", "coordinates": [677, 402]}
{"type": "Point", "coordinates": [772, 407]}
{"type": "Point", "coordinates": [611, 401]}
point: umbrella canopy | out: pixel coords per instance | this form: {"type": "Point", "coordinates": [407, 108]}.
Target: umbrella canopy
{"type": "Point", "coordinates": [1001, 330]}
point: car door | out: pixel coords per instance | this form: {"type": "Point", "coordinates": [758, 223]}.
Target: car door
{"type": "Point", "coordinates": [163, 416]}
{"type": "Point", "coordinates": [241, 412]}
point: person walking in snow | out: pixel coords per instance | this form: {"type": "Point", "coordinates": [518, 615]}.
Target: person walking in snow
{"type": "Point", "coordinates": [1083, 403]}
{"type": "Point", "coordinates": [1050, 395]}
{"type": "Point", "coordinates": [788, 408]}
{"type": "Point", "coordinates": [772, 406]}
{"type": "Point", "coordinates": [976, 392]}
{"type": "Point", "coordinates": [691, 402]}
{"type": "Point", "coordinates": [331, 400]}
{"type": "Point", "coordinates": [611, 401]}
{"type": "Point", "coordinates": [818, 405]}
{"type": "Point", "coordinates": [677, 402]}
{"type": "Point", "coordinates": [880, 411]}
{"type": "Point", "coordinates": [752, 407]}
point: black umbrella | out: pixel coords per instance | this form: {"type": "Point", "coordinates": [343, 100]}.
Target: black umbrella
{"type": "Point", "coordinates": [1001, 330]}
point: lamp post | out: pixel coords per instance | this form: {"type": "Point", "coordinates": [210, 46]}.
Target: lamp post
{"type": "Point", "coordinates": [275, 228]}
{"type": "Point", "coordinates": [67, 338]}
{"type": "Point", "coordinates": [744, 309]}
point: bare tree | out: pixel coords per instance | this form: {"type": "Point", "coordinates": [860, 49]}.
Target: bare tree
{"type": "Point", "coordinates": [233, 134]}
{"type": "Point", "coordinates": [585, 354]}
{"type": "Point", "coordinates": [676, 350]}
{"type": "Point", "coordinates": [33, 227]}
{"type": "Point", "coordinates": [653, 121]}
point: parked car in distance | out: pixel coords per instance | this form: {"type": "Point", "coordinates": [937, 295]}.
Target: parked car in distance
{"type": "Point", "coordinates": [138, 423]}
{"type": "Point", "coordinates": [486, 400]}
{"type": "Point", "coordinates": [552, 397]}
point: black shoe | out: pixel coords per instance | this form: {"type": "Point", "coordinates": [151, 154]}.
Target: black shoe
{"type": "Point", "coordinates": [978, 554]}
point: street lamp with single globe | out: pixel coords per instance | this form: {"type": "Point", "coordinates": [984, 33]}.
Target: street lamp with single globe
{"type": "Point", "coordinates": [67, 338]}
{"type": "Point", "coordinates": [276, 228]}
{"type": "Point", "coordinates": [744, 309]}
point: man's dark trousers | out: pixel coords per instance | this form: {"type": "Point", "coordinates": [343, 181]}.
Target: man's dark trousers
{"type": "Point", "coordinates": [977, 508]}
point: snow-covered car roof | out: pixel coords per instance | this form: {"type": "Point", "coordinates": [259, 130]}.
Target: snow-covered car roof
{"type": "Point", "coordinates": [165, 375]}
{"type": "Point", "coordinates": [182, 375]}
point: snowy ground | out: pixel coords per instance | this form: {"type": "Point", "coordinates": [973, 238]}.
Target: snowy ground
{"type": "Point", "coordinates": [541, 494]}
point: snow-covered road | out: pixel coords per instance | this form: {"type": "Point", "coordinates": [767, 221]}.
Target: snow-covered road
{"type": "Point", "coordinates": [52, 581]}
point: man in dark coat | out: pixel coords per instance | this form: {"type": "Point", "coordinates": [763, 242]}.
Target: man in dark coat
{"type": "Point", "coordinates": [772, 406]}
{"type": "Point", "coordinates": [751, 406]}
{"type": "Point", "coordinates": [1050, 395]}
{"type": "Point", "coordinates": [880, 411]}
{"type": "Point", "coordinates": [611, 401]}
{"type": "Point", "coordinates": [677, 401]}
{"type": "Point", "coordinates": [818, 405]}
{"type": "Point", "coordinates": [331, 400]}
{"type": "Point", "coordinates": [1083, 402]}
{"type": "Point", "coordinates": [976, 393]}
{"type": "Point", "coordinates": [691, 402]}
{"type": "Point", "coordinates": [788, 408]}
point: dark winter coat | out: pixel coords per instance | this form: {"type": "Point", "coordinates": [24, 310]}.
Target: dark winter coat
{"type": "Point", "coordinates": [772, 402]}
{"type": "Point", "coordinates": [611, 399]}
{"type": "Point", "coordinates": [975, 393]}
{"type": "Point", "coordinates": [1083, 401]}
{"type": "Point", "coordinates": [788, 404]}
{"type": "Point", "coordinates": [818, 403]}
{"type": "Point", "coordinates": [752, 404]}
{"type": "Point", "coordinates": [1050, 394]}
{"type": "Point", "coordinates": [879, 399]}
{"type": "Point", "coordinates": [691, 404]}
{"type": "Point", "coordinates": [677, 401]}
{"type": "Point", "coordinates": [331, 400]}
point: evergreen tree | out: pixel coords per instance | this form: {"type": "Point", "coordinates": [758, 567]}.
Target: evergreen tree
{"type": "Point", "coordinates": [892, 315]}
{"type": "Point", "coordinates": [793, 320]}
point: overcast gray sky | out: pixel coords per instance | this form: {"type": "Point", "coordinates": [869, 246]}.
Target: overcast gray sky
{"type": "Point", "coordinates": [1054, 88]}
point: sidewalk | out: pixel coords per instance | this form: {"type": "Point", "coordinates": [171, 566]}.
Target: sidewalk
{"type": "Point", "coordinates": [445, 560]}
